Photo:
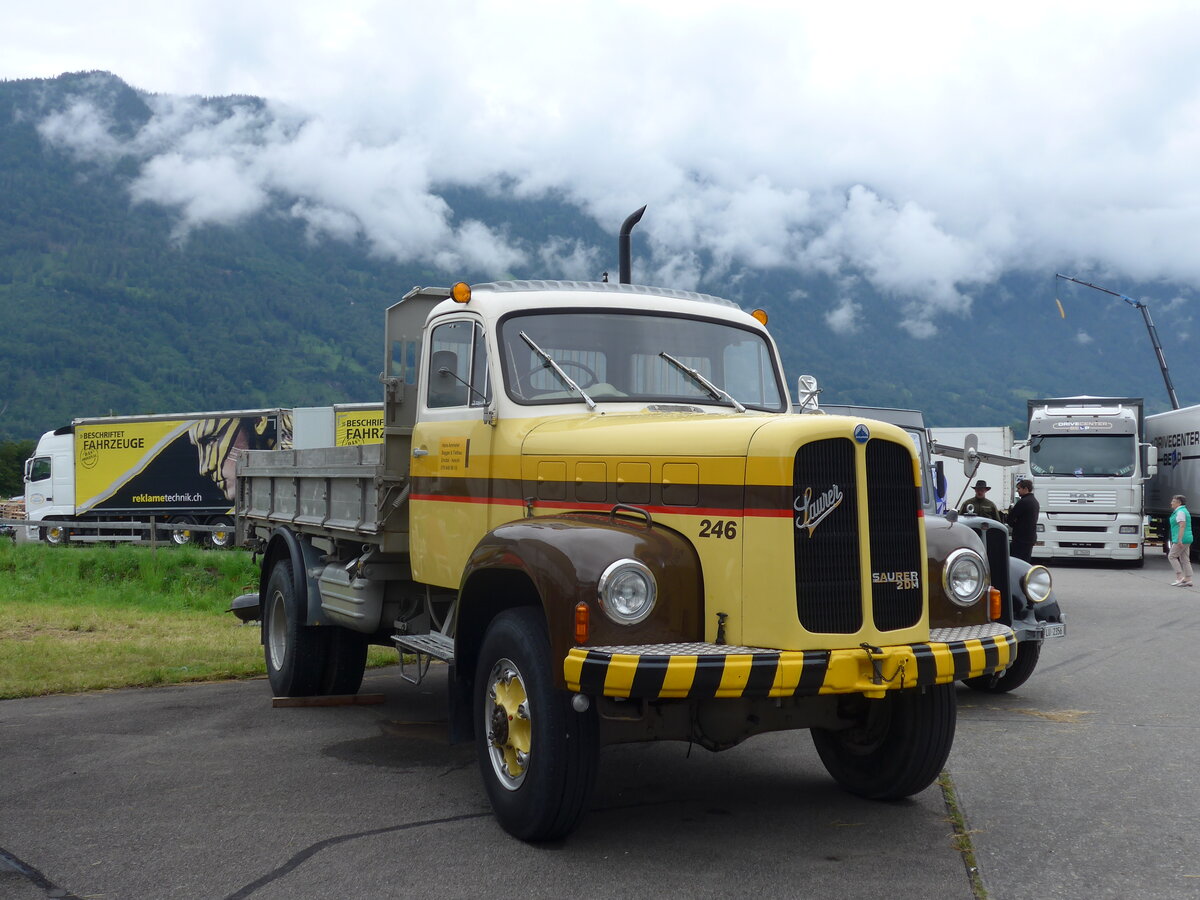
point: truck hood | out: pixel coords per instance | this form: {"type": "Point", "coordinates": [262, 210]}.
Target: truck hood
{"type": "Point", "coordinates": [606, 434]}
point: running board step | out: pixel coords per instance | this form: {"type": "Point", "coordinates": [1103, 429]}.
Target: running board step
{"type": "Point", "coordinates": [433, 644]}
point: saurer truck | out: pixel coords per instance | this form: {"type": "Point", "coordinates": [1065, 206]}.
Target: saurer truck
{"type": "Point", "coordinates": [94, 475]}
{"type": "Point", "coordinates": [593, 503]}
{"type": "Point", "coordinates": [1089, 464]}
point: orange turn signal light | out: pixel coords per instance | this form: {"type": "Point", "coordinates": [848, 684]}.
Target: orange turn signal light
{"type": "Point", "coordinates": [582, 622]}
{"type": "Point", "coordinates": [761, 315]}
{"type": "Point", "coordinates": [994, 604]}
{"type": "Point", "coordinates": [461, 292]}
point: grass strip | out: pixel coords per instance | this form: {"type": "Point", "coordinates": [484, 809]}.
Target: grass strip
{"type": "Point", "coordinates": [97, 617]}
{"type": "Point", "coordinates": [962, 835]}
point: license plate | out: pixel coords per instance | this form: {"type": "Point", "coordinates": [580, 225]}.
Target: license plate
{"type": "Point", "coordinates": [1055, 630]}
{"type": "Point", "coordinates": [1082, 551]}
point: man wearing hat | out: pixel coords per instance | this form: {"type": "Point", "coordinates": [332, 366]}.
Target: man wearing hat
{"type": "Point", "coordinates": [980, 505]}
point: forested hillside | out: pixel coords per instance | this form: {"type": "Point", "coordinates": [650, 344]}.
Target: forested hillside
{"type": "Point", "coordinates": [104, 307]}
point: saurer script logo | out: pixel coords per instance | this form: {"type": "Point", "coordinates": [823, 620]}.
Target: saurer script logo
{"type": "Point", "coordinates": [810, 512]}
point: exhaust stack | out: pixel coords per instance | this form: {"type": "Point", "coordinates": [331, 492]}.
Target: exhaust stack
{"type": "Point", "coordinates": [623, 246]}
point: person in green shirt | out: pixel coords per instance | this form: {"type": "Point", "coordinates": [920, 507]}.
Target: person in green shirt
{"type": "Point", "coordinates": [1181, 542]}
{"type": "Point", "coordinates": [980, 505]}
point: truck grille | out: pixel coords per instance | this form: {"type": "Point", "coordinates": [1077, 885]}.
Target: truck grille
{"type": "Point", "coordinates": [895, 543]}
{"type": "Point", "coordinates": [830, 593]}
{"type": "Point", "coordinates": [828, 574]}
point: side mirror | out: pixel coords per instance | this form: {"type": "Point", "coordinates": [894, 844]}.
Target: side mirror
{"type": "Point", "coordinates": [1149, 462]}
{"type": "Point", "coordinates": [970, 454]}
{"type": "Point", "coordinates": [806, 392]}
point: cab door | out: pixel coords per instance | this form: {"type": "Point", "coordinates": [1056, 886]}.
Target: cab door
{"type": "Point", "coordinates": [451, 451]}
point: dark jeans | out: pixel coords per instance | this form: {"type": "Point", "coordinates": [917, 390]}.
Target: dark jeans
{"type": "Point", "coordinates": [1022, 550]}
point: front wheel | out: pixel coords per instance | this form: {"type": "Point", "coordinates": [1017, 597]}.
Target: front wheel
{"type": "Point", "coordinates": [1028, 653]}
{"type": "Point", "coordinates": [55, 534]}
{"type": "Point", "coordinates": [897, 746]}
{"type": "Point", "coordinates": [537, 754]}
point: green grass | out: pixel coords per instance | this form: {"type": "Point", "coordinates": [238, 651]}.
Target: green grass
{"type": "Point", "coordinates": [90, 618]}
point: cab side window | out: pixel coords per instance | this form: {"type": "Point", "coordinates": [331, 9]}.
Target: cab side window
{"type": "Point", "coordinates": [457, 366]}
{"type": "Point", "coordinates": [40, 470]}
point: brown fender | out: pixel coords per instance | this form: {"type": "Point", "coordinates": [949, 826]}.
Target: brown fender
{"type": "Point", "coordinates": [556, 562]}
{"type": "Point", "coordinates": [943, 537]}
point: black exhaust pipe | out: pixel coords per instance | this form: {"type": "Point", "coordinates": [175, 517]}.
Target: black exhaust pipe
{"type": "Point", "coordinates": [623, 246]}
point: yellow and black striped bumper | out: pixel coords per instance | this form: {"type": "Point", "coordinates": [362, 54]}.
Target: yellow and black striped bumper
{"type": "Point", "coordinates": [697, 671]}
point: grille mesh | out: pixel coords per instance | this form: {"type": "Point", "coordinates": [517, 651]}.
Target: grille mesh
{"type": "Point", "coordinates": [892, 511]}
{"type": "Point", "coordinates": [826, 537]}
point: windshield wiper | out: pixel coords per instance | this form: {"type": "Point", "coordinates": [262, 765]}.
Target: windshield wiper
{"type": "Point", "coordinates": [713, 391]}
{"type": "Point", "coordinates": [557, 369]}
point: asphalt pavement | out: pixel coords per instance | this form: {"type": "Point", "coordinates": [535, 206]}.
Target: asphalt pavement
{"type": "Point", "coordinates": [1079, 784]}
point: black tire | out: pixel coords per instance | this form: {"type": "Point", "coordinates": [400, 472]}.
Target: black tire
{"type": "Point", "coordinates": [223, 539]}
{"type": "Point", "coordinates": [537, 755]}
{"type": "Point", "coordinates": [346, 662]}
{"type": "Point", "coordinates": [296, 654]}
{"type": "Point", "coordinates": [181, 537]}
{"type": "Point", "coordinates": [898, 748]}
{"type": "Point", "coordinates": [1014, 676]}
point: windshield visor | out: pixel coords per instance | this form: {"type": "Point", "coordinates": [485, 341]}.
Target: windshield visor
{"type": "Point", "coordinates": [614, 357]}
{"type": "Point", "coordinates": [1082, 455]}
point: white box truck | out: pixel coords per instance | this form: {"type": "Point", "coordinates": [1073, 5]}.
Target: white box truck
{"type": "Point", "coordinates": [177, 469]}
{"type": "Point", "coordinates": [1089, 465]}
{"type": "Point", "coordinates": [1175, 436]}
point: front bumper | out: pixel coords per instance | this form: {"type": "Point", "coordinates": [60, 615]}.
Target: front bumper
{"type": "Point", "coordinates": [698, 671]}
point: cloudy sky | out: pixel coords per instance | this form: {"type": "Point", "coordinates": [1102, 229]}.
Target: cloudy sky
{"type": "Point", "coordinates": [923, 148]}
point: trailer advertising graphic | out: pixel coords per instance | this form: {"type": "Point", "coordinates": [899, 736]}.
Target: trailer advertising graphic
{"type": "Point", "coordinates": [355, 427]}
{"type": "Point", "coordinates": [149, 466]}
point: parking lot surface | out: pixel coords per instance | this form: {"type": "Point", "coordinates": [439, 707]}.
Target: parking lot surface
{"type": "Point", "coordinates": [1079, 784]}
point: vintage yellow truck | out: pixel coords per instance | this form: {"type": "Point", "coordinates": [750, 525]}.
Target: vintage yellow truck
{"type": "Point", "coordinates": [593, 502]}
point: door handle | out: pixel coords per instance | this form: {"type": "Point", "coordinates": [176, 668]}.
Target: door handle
{"type": "Point", "coordinates": [417, 451]}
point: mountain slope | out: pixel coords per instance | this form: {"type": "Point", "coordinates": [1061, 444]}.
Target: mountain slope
{"type": "Point", "coordinates": [105, 306]}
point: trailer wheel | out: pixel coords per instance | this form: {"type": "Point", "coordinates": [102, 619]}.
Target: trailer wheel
{"type": "Point", "coordinates": [296, 654]}
{"type": "Point", "coordinates": [896, 748]}
{"type": "Point", "coordinates": [223, 537]}
{"type": "Point", "coordinates": [536, 754]}
{"type": "Point", "coordinates": [345, 663]}
{"type": "Point", "coordinates": [181, 537]}
{"type": "Point", "coordinates": [1014, 676]}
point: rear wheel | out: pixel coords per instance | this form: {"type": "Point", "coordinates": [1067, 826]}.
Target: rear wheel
{"type": "Point", "coordinates": [537, 754]}
{"type": "Point", "coordinates": [296, 654]}
{"type": "Point", "coordinates": [1028, 653]}
{"type": "Point", "coordinates": [182, 535]}
{"type": "Point", "coordinates": [346, 662]}
{"type": "Point", "coordinates": [223, 537]}
{"type": "Point", "coordinates": [897, 746]}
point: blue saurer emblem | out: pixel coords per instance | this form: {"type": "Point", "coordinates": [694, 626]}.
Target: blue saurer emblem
{"type": "Point", "coordinates": [861, 433]}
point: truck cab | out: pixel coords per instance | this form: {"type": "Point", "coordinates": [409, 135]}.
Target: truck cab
{"type": "Point", "coordinates": [50, 484]}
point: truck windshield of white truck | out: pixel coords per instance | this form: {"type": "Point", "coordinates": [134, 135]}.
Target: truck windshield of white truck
{"type": "Point", "coordinates": [618, 357]}
{"type": "Point", "coordinates": [1082, 455]}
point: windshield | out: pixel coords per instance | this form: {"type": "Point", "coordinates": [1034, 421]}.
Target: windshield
{"type": "Point", "coordinates": [1082, 455]}
{"type": "Point", "coordinates": [617, 356]}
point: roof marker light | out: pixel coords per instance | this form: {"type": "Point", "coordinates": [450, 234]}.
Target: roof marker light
{"type": "Point", "coordinates": [761, 315]}
{"type": "Point", "coordinates": [461, 292]}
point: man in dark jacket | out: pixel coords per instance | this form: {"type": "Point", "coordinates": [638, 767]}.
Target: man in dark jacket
{"type": "Point", "coordinates": [1022, 521]}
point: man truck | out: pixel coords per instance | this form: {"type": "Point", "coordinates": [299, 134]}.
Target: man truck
{"type": "Point", "coordinates": [87, 479]}
{"type": "Point", "coordinates": [592, 502]}
{"type": "Point", "coordinates": [1089, 464]}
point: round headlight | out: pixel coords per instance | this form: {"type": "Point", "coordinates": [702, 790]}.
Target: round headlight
{"type": "Point", "coordinates": [965, 576]}
{"type": "Point", "coordinates": [1036, 584]}
{"type": "Point", "coordinates": [627, 592]}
